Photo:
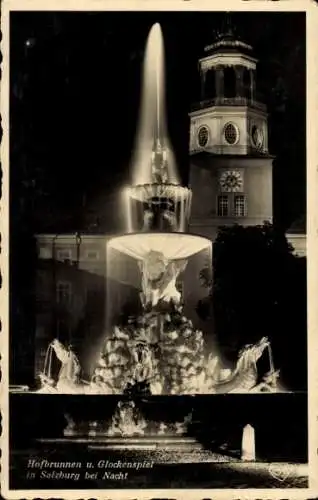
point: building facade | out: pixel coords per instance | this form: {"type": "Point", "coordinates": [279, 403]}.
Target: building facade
{"type": "Point", "coordinates": [73, 283]}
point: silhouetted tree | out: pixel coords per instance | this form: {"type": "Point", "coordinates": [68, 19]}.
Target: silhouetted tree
{"type": "Point", "coordinates": [259, 288]}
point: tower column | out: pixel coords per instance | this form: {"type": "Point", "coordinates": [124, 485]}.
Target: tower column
{"type": "Point", "coordinates": [252, 85]}
{"type": "Point", "coordinates": [219, 82]}
{"type": "Point", "coordinates": [203, 82]}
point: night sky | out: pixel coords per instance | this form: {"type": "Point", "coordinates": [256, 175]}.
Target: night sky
{"type": "Point", "coordinates": [75, 83]}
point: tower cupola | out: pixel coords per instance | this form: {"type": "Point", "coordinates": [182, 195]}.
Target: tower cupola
{"type": "Point", "coordinates": [230, 117]}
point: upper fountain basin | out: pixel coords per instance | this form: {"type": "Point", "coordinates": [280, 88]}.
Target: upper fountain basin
{"type": "Point", "coordinates": [173, 246]}
{"type": "Point", "coordinates": [144, 192]}
{"type": "Point", "coordinates": [158, 207]}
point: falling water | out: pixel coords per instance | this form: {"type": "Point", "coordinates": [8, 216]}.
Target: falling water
{"type": "Point", "coordinates": [152, 126]}
{"type": "Point", "coordinates": [108, 287]}
{"type": "Point", "coordinates": [182, 202]}
{"type": "Point", "coordinates": [127, 205]}
{"type": "Point", "coordinates": [159, 72]}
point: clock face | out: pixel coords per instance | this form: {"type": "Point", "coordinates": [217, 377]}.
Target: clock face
{"type": "Point", "coordinates": [231, 181]}
{"type": "Point", "coordinates": [257, 136]}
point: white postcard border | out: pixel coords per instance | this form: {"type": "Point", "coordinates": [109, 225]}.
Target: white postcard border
{"type": "Point", "coordinates": [311, 9]}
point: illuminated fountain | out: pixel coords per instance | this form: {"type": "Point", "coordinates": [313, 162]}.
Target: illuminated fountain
{"type": "Point", "coordinates": [161, 350]}
{"type": "Point", "coordinates": [157, 350]}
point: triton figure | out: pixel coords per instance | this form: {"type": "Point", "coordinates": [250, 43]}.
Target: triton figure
{"type": "Point", "coordinates": [159, 164]}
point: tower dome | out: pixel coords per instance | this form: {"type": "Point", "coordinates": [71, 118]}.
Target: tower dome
{"type": "Point", "coordinates": [227, 40]}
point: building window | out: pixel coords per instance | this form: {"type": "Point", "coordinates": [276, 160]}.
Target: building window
{"type": "Point", "coordinates": [257, 136]}
{"type": "Point", "coordinates": [229, 82]}
{"type": "Point", "coordinates": [63, 331]}
{"type": "Point", "coordinates": [43, 352]}
{"type": "Point", "coordinates": [45, 252]}
{"type": "Point", "coordinates": [92, 255]}
{"type": "Point", "coordinates": [239, 206]}
{"type": "Point", "coordinates": [40, 332]}
{"type": "Point", "coordinates": [223, 206]}
{"type": "Point", "coordinates": [39, 361]}
{"type": "Point", "coordinates": [65, 254]}
{"type": "Point", "coordinates": [231, 133]}
{"type": "Point", "coordinates": [64, 292]}
{"type": "Point", "coordinates": [209, 87]}
{"type": "Point", "coordinates": [203, 136]}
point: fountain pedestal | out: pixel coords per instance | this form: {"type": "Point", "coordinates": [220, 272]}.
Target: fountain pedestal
{"type": "Point", "coordinates": [128, 429]}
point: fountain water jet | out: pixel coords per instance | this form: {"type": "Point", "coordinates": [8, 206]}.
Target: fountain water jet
{"type": "Point", "coordinates": [152, 135]}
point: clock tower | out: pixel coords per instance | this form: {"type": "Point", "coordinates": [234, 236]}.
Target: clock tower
{"type": "Point", "coordinates": [230, 166]}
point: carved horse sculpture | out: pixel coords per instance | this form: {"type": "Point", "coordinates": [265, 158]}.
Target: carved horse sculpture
{"type": "Point", "coordinates": [244, 376]}
{"type": "Point", "coordinates": [68, 377]}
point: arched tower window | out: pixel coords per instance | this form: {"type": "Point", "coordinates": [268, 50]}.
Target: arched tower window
{"type": "Point", "coordinates": [247, 83]}
{"type": "Point", "coordinates": [229, 82]}
{"type": "Point", "coordinates": [210, 90]}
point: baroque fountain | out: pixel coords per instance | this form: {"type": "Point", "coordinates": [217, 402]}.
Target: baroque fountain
{"type": "Point", "coordinates": [157, 351]}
